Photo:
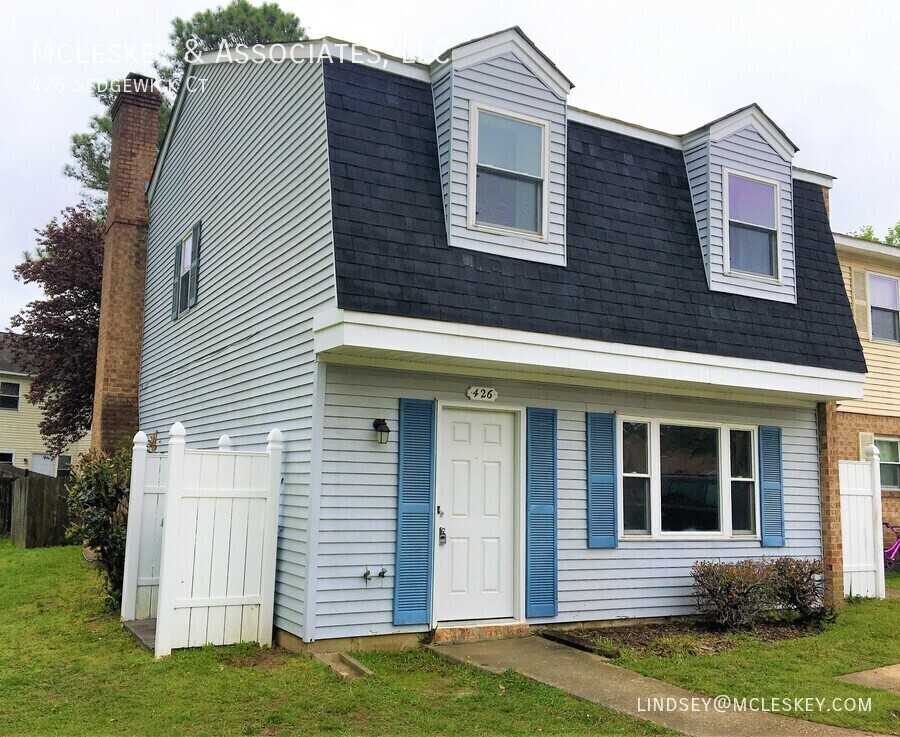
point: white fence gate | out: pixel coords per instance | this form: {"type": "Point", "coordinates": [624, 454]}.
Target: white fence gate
{"type": "Point", "coordinates": [200, 550]}
{"type": "Point", "coordinates": [861, 526]}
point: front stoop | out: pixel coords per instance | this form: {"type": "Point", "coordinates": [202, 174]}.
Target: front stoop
{"type": "Point", "coordinates": [479, 633]}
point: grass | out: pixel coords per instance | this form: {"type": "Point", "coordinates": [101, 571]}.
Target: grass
{"type": "Point", "coordinates": [866, 635]}
{"type": "Point", "coordinates": [892, 578]}
{"type": "Point", "coordinates": [67, 667]}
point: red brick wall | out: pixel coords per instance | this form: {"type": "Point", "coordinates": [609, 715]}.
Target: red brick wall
{"type": "Point", "coordinates": [839, 441]}
{"type": "Point", "coordinates": [133, 155]}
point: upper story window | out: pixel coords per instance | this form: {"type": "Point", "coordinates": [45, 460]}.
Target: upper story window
{"type": "Point", "coordinates": [884, 302]}
{"type": "Point", "coordinates": [187, 271]}
{"type": "Point", "coordinates": [510, 179]}
{"type": "Point", "coordinates": [9, 395]}
{"type": "Point", "coordinates": [752, 226]}
{"type": "Point", "coordinates": [889, 460]}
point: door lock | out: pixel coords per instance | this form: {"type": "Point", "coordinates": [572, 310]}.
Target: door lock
{"type": "Point", "coordinates": [442, 536]}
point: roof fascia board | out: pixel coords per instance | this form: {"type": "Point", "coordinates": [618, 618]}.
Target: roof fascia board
{"type": "Point", "coordinates": [479, 51]}
{"type": "Point", "coordinates": [336, 329]}
{"type": "Point", "coordinates": [870, 250]}
{"type": "Point", "coordinates": [595, 120]}
{"type": "Point", "coordinates": [754, 116]}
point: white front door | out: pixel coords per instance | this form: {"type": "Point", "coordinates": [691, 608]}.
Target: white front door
{"type": "Point", "coordinates": [476, 493]}
{"type": "Point", "coordinates": [42, 463]}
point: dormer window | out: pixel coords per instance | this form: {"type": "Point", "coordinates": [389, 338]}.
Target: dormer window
{"type": "Point", "coordinates": [884, 301]}
{"type": "Point", "coordinates": [752, 243]}
{"type": "Point", "coordinates": [510, 186]}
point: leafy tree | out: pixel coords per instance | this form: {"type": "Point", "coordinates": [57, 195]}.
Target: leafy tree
{"type": "Point", "coordinates": [867, 232]}
{"type": "Point", "coordinates": [58, 338]}
{"type": "Point", "coordinates": [237, 23]}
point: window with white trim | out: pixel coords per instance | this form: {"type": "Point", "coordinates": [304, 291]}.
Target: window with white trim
{"type": "Point", "coordinates": [510, 178]}
{"type": "Point", "coordinates": [9, 395]}
{"type": "Point", "coordinates": [683, 479]}
{"type": "Point", "coordinates": [889, 459]}
{"type": "Point", "coordinates": [64, 466]}
{"type": "Point", "coordinates": [184, 280]}
{"type": "Point", "coordinates": [6, 457]}
{"type": "Point", "coordinates": [884, 304]}
{"type": "Point", "coordinates": [752, 226]}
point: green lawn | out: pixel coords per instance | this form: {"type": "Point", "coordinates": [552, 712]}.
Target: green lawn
{"type": "Point", "coordinates": [892, 578]}
{"type": "Point", "coordinates": [67, 667]}
{"type": "Point", "coordinates": [866, 635]}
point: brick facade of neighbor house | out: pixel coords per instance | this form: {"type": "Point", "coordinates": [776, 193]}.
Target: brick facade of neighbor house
{"type": "Point", "coordinates": [830, 445]}
{"type": "Point", "coordinates": [133, 155]}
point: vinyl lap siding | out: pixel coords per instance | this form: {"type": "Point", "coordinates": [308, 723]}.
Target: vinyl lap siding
{"type": "Point", "coordinates": [748, 152]}
{"type": "Point", "coordinates": [359, 490]}
{"type": "Point", "coordinates": [20, 432]}
{"type": "Point", "coordinates": [696, 161]}
{"type": "Point", "coordinates": [249, 158]}
{"type": "Point", "coordinates": [881, 391]}
{"type": "Point", "coordinates": [442, 89]}
{"type": "Point", "coordinates": [505, 83]}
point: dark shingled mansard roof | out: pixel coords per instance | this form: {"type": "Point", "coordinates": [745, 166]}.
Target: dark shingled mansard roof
{"type": "Point", "coordinates": [635, 270]}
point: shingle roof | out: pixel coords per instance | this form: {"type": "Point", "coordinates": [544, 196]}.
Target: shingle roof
{"type": "Point", "coordinates": [7, 362]}
{"type": "Point", "coordinates": [634, 275]}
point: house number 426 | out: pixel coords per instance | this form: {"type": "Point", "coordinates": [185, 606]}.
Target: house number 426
{"type": "Point", "coordinates": [482, 393]}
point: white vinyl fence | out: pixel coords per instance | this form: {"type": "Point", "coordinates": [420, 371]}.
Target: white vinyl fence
{"type": "Point", "coordinates": [200, 550]}
{"type": "Point", "coordinates": [861, 526]}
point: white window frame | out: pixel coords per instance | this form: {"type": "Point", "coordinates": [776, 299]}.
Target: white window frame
{"type": "Point", "coordinates": [18, 397]}
{"type": "Point", "coordinates": [726, 222]}
{"type": "Point", "coordinates": [189, 235]}
{"type": "Point", "coordinates": [888, 439]}
{"type": "Point", "coordinates": [542, 235]}
{"type": "Point", "coordinates": [896, 280]}
{"type": "Point", "coordinates": [656, 532]}
{"type": "Point", "coordinates": [12, 456]}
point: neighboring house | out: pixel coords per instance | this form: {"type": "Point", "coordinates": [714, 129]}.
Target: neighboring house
{"type": "Point", "coordinates": [531, 363]}
{"type": "Point", "coordinates": [21, 443]}
{"type": "Point", "coordinates": [872, 278]}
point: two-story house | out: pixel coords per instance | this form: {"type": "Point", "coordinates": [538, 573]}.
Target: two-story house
{"type": "Point", "coordinates": [21, 443]}
{"type": "Point", "coordinates": [871, 274]}
{"type": "Point", "coordinates": [530, 362]}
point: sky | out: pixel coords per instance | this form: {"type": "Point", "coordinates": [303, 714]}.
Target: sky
{"type": "Point", "coordinates": [827, 72]}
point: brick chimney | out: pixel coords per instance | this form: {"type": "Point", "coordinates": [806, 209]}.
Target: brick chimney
{"type": "Point", "coordinates": [135, 116]}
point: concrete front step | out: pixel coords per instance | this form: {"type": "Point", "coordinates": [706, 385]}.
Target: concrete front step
{"type": "Point", "coordinates": [349, 669]}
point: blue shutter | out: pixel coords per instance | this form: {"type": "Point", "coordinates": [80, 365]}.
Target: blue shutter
{"type": "Point", "coordinates": [176, 286]}
{"type": "Point", "coordinates": [194, 278]}
{"type": "Point", "coordinates": [771, 487]}
{"type": "Point", "coordinates": [602, 524]}
{"type": "Point", "coordinates": [412, 582]}
{"type": "Point", "coordinates": [540, 537]}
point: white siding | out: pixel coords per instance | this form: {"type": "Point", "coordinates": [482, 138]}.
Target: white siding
{"type": "Point", "coordinates": [503, 82]}
{"type": "Point", "coordinates": [748, 152]}
{"type": "Point", "coordinates": [249, 158]}
{"type": "Point", "coordinates": [359, 491]}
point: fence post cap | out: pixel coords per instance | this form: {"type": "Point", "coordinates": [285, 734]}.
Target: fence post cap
{"type": "Point", "coordinates": [275, 437]}
{"type": "Point", "coordinates": [224, 443]}
{"type": "Point", "coordinates": [872, 452]}
{"type": "Point", "coordinates": [177, 431]}
{"type": "Point", "coordinates": [140, 439]}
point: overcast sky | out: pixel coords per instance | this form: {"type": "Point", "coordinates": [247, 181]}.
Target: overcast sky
{"type": "Point", "coordinates": [827, 72]}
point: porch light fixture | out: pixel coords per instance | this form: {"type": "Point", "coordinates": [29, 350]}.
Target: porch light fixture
{"type": "Point", "coordinates": [382, 431]}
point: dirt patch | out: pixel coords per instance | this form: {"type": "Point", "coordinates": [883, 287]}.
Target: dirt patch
{"type": "Point", "coordinates": [243, 656]}
{"type": "Point", "coordinates": [669, 639]}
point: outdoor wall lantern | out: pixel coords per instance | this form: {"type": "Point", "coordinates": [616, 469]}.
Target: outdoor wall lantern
{"type": "Point", "coordinates": [382, 431]}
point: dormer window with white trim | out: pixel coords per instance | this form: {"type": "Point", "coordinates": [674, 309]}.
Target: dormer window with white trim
{"type": "Point", "coordinates": [510, 172]}
{"type": "Point", "coordinates": [752, 240]}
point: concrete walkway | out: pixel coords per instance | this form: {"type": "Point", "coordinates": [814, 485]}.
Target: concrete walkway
{"type": "Point", "coordinates": [887, 678]}
{"type": "Point", "coordinates": [591, 678]}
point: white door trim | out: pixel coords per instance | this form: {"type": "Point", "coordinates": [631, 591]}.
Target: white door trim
{"type": "Point", "coordinates": [519, 544]}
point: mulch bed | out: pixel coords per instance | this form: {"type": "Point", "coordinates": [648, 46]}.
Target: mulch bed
{"type": "Point", "coordinates": [682, 637]}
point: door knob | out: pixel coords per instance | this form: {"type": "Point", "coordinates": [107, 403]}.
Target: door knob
{"type": "Point", "coordinates": [442, 536]}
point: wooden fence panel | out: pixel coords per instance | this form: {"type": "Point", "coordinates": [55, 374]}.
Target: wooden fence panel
{"type": "Point", "coordinates": [8, 475]}
{"type": "Point", "coordinates": [39, 512]}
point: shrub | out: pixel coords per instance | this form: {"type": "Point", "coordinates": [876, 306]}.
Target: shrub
{"type": "Point", "coordinates": [98, 510]}
{"type": "Point", "coordinates": [732, 595]}
{"type": "Point", "coordinates": [799, 586]}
